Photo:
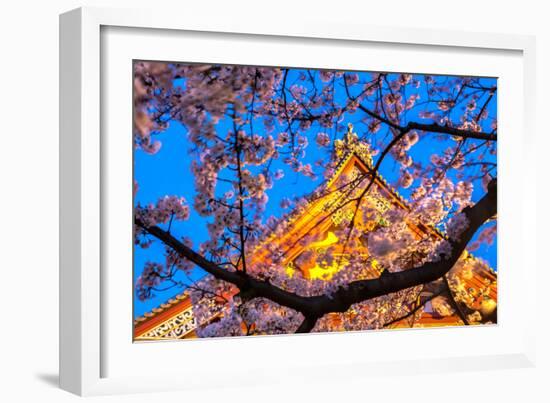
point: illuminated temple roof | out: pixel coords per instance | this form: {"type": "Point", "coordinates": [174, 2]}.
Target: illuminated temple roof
{"type": "Point", "coordinates": [174, 319]}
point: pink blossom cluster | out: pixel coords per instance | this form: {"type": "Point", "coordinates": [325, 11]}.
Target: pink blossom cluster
{"type": "Point", "coordinates": [456, 225]}
{"type": "Point", "coordinates": [150, 277]}
{"type": "Point", "coordinates": [322, 139]}
{"type": "Point", "coordinates": [163, 211]}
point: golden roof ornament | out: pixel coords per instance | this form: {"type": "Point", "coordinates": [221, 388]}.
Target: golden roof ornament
{"type": "Point", "coordinates": [352, 145]}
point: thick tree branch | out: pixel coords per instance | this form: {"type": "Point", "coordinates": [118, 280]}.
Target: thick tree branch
{"type": "Point", "coordinates": [430, 127]}
{"type": "Point", "coordinates": [307, 325]}
{"type": "Point", "coordinates": [359, 291]}
{"type": "Point", "coordinates": [191, 255]}
{"type": "Point", "coordinates": [248, 285]}
{"type": "Point", "coordinates": [467, 134]}
{"type": "Point", "coordinates": [355, 292]}
{"type": "Point", "coordinates": [455, 304]}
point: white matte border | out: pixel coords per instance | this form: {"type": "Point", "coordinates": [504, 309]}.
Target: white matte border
{"type": "Point", "coordinates": [284, 367]}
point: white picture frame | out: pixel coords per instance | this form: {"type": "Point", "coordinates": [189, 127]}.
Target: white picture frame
{"type": "Point", "coordinates": [83, 293]}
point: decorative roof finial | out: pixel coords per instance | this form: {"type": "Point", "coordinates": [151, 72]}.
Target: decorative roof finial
{"type": "Point", "coordinates": [352, 145]}
{"type": "Point", "coordinates": [350, 127]}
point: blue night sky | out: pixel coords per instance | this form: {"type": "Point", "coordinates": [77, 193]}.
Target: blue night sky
{"type": "Point", "coordinates": [168, 173]}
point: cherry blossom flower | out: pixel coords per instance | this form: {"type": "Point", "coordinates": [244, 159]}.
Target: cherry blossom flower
{"type": "Point", "coordinates": [322, 139]}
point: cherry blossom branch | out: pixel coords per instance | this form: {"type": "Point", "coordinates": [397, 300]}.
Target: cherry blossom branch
{"type": "Point", "coordinates": [435, 128]}
{"type": "Point", "coordinates": [307, 325]}
{"type": "Point", "coordinates": [491, 94]}
{"type": "Point", "coordinates": [361, 290]}
{"type": "Point", "coordinates": [355, 292]}
{"type": "Point", "coordinates": [455, 304]}
{"type": "Point", "coordinates": [415, 309]}
{"type": "Point", "coordinates": [427, 127]}
{"type": "Point", "coordinates": [249, 286]}
{"type": "Point", "coordinates": [242, 258]}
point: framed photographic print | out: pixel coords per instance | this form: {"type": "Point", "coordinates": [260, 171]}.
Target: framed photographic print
{"type": "Point", "coordinates": [321, 197]}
